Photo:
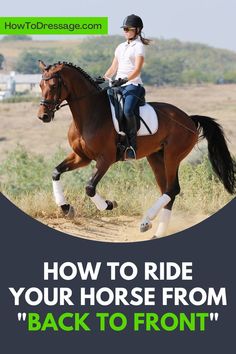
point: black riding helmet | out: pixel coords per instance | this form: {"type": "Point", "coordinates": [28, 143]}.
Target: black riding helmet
{"type": "Point", "coordinates": [132, 21]}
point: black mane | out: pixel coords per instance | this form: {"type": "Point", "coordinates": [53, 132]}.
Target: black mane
{"type": "Point", "coordinates": [84, 73]}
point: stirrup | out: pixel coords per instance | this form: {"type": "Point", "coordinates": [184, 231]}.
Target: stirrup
{"type": "Point", "coordinates": [130, 153]}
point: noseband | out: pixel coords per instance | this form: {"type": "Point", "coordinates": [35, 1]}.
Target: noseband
{"type": "Point", "coordinates": [57, 102]}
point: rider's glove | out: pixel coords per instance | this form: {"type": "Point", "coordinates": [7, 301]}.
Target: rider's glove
{"type": "Point", "coordinates": [99, 80]}
{"type": "Point", "coordinates": [119, 82]}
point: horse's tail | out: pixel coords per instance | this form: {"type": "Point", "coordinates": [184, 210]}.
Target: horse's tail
{"type": "Point", "coordinates": [222, 162]}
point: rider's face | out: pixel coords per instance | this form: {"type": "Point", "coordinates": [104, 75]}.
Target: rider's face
{"type": "Point", "coordinates": [129, 32]}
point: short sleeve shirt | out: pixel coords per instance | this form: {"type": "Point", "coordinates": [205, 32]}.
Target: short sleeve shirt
{"type": "Point", "coordinates": [126, 54]}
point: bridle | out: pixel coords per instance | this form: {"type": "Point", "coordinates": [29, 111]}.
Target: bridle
{"type": "Point", "coordinates": [55, 103]}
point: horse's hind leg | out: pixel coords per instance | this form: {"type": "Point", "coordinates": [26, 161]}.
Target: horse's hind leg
{"type": "Point", "coordinates": [166, 175]}
{"type": "Point", "coordinates": [71, 162]}
{"type": "Point", "coordinates": [156, 161]}
{"type": "Point", "coordinates": [165, 213]}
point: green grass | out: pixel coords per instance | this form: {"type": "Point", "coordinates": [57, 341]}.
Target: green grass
{"type": "Point", "coordinates": [26, 180]}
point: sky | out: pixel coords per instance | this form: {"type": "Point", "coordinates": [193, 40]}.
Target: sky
{"type": "Point", "coordinates": [211, 22]}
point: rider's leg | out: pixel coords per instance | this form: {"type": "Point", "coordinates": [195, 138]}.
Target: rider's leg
{"type": "Point", "coordinates": [131, 130]}
{"type": "Point", "coordinates": [131, 95]}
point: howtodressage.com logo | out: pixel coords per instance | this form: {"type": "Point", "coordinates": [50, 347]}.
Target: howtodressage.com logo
{"type": "Point", "coordinates": [50, 26]}
{"type": "Point", "coordinates": [53, 25]}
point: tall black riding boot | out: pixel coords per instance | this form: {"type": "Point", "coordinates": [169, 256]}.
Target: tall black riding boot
{"type": "Point", "coordinates": [131, 126]}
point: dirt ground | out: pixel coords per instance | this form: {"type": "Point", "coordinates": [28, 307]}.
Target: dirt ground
{"type": "Point", "coordinates": [19, 125]}
{"type": "Point", "coordinates": [119, 229]}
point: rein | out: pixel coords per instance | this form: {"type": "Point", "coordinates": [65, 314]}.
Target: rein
{"type": "Point", "coordinates": [58, 104]}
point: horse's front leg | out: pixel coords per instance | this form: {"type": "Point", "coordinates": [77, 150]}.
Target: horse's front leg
{"type": "Point", "coordinates": [98, 173]}
{"type": "Point", "coordinates": [71, 162]}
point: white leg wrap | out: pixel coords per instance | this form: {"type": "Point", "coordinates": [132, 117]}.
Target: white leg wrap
{"type": "Point", "coordinates": [58, 193]}
{"type": "Point", "coordinates": [163, 222]}
{"type": "Point", "coordinates": [160, 203]}
{"type": "Point", "coordinates": [99, 202]}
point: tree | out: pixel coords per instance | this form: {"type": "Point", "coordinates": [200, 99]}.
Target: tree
{"type": "Point", "coordinates": [28, 61]}
{"type": "Point", "coordinates": [230, 77]}
{"type": "Point", "coordinates": [16, 38]}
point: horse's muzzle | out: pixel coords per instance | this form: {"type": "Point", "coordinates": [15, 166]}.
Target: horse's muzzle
{"type": "Point", "coordinates": [46, 118]}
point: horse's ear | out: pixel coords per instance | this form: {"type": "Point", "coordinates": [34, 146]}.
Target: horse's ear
{"type": "Point", "coordinates": [42, 66]}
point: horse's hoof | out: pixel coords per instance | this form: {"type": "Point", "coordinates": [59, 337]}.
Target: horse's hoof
{"type": "Point", "coordinates": [71, 213]}
{"type": "Point", "coordinates": [145, 226]}
{"type": "Point", "coordinates": [68, 211]}
{"type": "Point", "coordinates": [111, 205]}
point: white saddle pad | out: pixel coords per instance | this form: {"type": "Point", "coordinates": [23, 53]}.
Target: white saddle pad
{"type": "Point", "coordinates": [147, 113]}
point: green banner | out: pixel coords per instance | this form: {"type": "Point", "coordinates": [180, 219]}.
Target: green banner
{"type": "Point", "coordinates": [53, 25]}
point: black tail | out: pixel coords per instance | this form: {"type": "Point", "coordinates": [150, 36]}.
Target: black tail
{"type": "Point", "coordinates": [223, 164]}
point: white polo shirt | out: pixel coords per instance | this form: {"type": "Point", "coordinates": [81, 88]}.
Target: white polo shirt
{"type": "Point", "coordinates": [126, 54]}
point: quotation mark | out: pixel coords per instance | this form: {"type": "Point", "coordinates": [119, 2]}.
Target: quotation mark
{"type": "Point", "coordinates": [21, 316]}
{"type": "Point", "coordinates": [214, 316]}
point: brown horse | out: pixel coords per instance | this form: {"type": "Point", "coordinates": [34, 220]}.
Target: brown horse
{"type": "Point", "coordinates": [92, 137]}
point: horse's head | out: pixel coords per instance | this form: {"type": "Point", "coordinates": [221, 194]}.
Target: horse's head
{"type": "Point", "coordinates": [53, 89]}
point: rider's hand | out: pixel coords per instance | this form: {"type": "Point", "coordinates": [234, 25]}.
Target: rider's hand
{"type": "Point", "coordinates": [99, 80]}
{"type": "Point", "coordinates": [119, 82]}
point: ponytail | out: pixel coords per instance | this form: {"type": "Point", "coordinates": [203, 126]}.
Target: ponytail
{"type": "Point", "coordinates": [145, 41]}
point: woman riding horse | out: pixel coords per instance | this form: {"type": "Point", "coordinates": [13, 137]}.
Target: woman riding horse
{"type": "Point", "coordinates": [92, 137]}
{"type": "Point", "coordinates": [127, 65]}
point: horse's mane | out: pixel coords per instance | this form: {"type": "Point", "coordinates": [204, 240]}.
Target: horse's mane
{"type": "Point", "coordinates": [84, 73]}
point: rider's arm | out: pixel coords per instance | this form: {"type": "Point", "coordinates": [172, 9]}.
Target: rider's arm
{"type": "Point", "coordinates": [139, 60]}
{"type": "Point", "coordinates": [112, 70]}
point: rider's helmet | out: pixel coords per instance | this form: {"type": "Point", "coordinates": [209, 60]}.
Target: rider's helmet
{"type": "Point", "coordinates": [133, 21]}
